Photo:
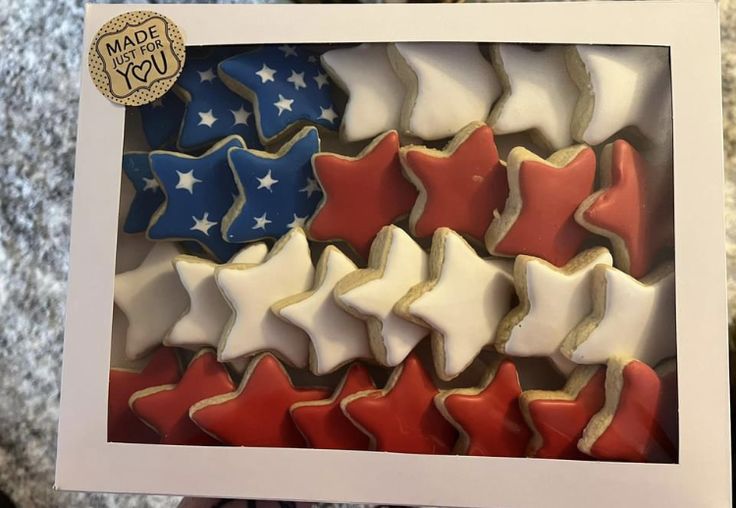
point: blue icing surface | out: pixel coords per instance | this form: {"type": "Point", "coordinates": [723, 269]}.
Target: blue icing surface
{"type": "Point", "coordinates": [213, 111]}
{"type": "Point", "coordinates": [280, 191]}
{"type": "Point", "coordinates": [289, 85]}
{"type": "Point", "coordinates": [199, 191]}
{"type": "Point", "coordinates": [161, 120]}
{"type": "Point", "coordinates": [148, 196]}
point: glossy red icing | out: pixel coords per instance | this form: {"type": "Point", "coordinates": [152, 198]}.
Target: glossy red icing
{"type": "Point", "coordinates": [550, 196]}
{"type": "Point", "coordinates": [361, 195]}
{"type": "Point", "coordinates": [123, 426]}
{"type": "Point", "coordinates": [462, 189]}
{"type": "Point", "coordinates": [168, 410]}
{"type": "Point", "coordinates": [258, 413]}
{"type": "Point", "coordinates": [492, 418]}
{"type": "Point", "coordinates": [403, 418]}
{"type": "Point", "coordinates": [323, 423]}
{"type": "Point", "coordinates": [561, 422]}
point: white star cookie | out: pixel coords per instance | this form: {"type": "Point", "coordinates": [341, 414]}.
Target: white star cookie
{"type": "Point", "coordinates": [629, 319]}
{"type": "Point", "coordinates": [539, 95]}
{"type": "Point", "coordinates": [396, 263]}
{"type": "Point", "coordinates": [620, 86]}
{"type": "Point", "coordinates": [252, 289]}
{"type": "Point", "coordinates": [337, 337]}
{"type": "Point", "coordinates": [202, 323]}
{"type": "Point", "coordinates": [551, 302]}
{"type": "Point", "coordinates": [375, 93]}
{"type": "Point", "coordinates": [463, 301]}
{"type": "Point", "coordinates": [448, 85]}
{"type": "Point", "coordinates": [152, 298]}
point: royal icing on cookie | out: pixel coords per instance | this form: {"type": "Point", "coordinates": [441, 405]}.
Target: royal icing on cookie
{"type": "Point", "coordinates": [629, 209]}
{"type": "Point", "coordinates": [276, 192]}
{"type": "Point", "coordinates": [166, 408]}
{"type": "Point", "coordinates": [402, 417]}
{"type": "Point", "coordinates": [123, 426]}
{"type": "Point", "coordinates": [538, 219]}
{"type": "Point", "coordinates": [460, 187]}
{"type": "Point", "coordinates": [337, 337]}
{"type": "Point", "coordinates": [213, 111]}
{"type": "Point", "coordinates": [286, 84]}
{"type": "Point", "coordinates": [462, 301]}
{"type": "Point", "coordinates": [199, 191]}
{"type": "Point", "coordinates": [448, 85]}
{"type": "Point", "coordinates": [323, 423]}
{"type": "Point", "coordinates": [361, 194]}
{"type": "Point", "coordinates": [539, 95]}
{"type": "Point", "coordinates": [620, 86]}
{"type": "Point", "coordinates": [558, 418]}
{"type": "Point", "coordinates": [552, 301]}
{"type": "Point", "coordinates": [161, 120]}
{"type": "Point", "coordinates": [251, 290]}
{"type": "Point", "coordinates": [148, 195]}
{"type": "Point", "coordinates": [202, 324]}
{"type": "Point", "coordinates": [152, 299]}
{"type": "Point", "coordinates": [630, 318]}
{"type": "Point", "coordinates": [488, 418]}
{"type": "Point", "coordinates": [257, 414]}
{"type": "Point", "coordinates": [627, 428]}
{"type": "Point", "coordinates": [375, 92]}
{"type": "Point", "coordinates": [396, 264]}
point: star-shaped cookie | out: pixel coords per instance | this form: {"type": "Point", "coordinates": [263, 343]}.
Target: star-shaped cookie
{"type": "Point", "coordinates": [165, 408]}
{"type": "Point", "coordinates": [402, 417]}
{"type": "Point", "coordinates": [558, 418]}
{"type": "Point", "coordinates": [448, 85]}
{"type": "Point", "coordinates": [287, 87]}
{"type": "Point", "coordinates": [395, 265]}
{"type": "Point", "coordinates": [375, 93]}
{"type": "Point", "coordinates": [630, 318]}
{"type": "Point", "coordinates": [148, 195]}
{"type": "Point", "coordinates": [199, 191]}
{"type": "Point", "coordinates": [336, 336]}
{"type": "Point", "coordinates": [323, 423]}
{"type": "Point", "coordinates": [460, 187]}
{"type": "Point", "coordinates": [539, 95]}
{"type": "Point", "coordinates": [552, 301]}
{"type": "Point", "coordinates": [276, 192]}
{"type": "Point", "coordinates": [250, 290]}
{"type": "Point", "coordinates": [631, 209]}
{"type": "Point", "coordinates": [152, 299]}
{"type": "Point", "coordinates": [161, 120]}
{"type": "Point", "coordinates": [488, 417]}
{"type": "Point", "coordinates": [361, 194]}
{"type": "Point", "coordinates": [202, 323]}
{"type": "Point", "coordinates": [257, 414]}
{"type": "Point", "coordinates": [538, 219]}
{"type": "Point", "coordinates": [462, 301]}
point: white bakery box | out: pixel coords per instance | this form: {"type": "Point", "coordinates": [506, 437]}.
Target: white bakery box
{"type": "Point", "coordinates": [700, 475]}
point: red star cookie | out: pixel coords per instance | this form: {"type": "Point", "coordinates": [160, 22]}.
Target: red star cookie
{"type": "Point", "coordinates": [459, 187]}
{"type": "Point", "coordinates": [166, 408]}
{"type": "Point", "coordinates": [257, 414]}
{"type": "Point", "coordinates": [558, 418]}
{"type": "Point", "coordinates": [323, 423]}
{"type": "Point", "coordinates": [629, 210]}
{"type": "Point", "coordinates": [402, 417]}
{"type": "Point", "coordinates": [361, 194]}
{"type": "Point", "coordinates": [122, 425]}
{"type": "Point", "coordinates": [488, 417]}
{"type": "Point", "coordinates": [627, 427]}
{"type": "Point", "coordinates": [538, 219]}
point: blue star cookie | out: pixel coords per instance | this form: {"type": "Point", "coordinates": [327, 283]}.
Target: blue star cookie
{"type": "Point", "coordinates": [161, 121]}
{"type": "Point", "coordinates": [277, 192]}
{"type": "Point", "coordinates": [213, 111]}
{"type": "Point", "coordinates": [286, 84]}
{"type": "Point", "coordinates": [199, 191]}
{"type": "Point", "coordinates": [148, 195]}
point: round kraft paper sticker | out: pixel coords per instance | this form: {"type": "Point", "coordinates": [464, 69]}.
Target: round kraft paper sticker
{"type": "Point", "coordinates": [136, 57]}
